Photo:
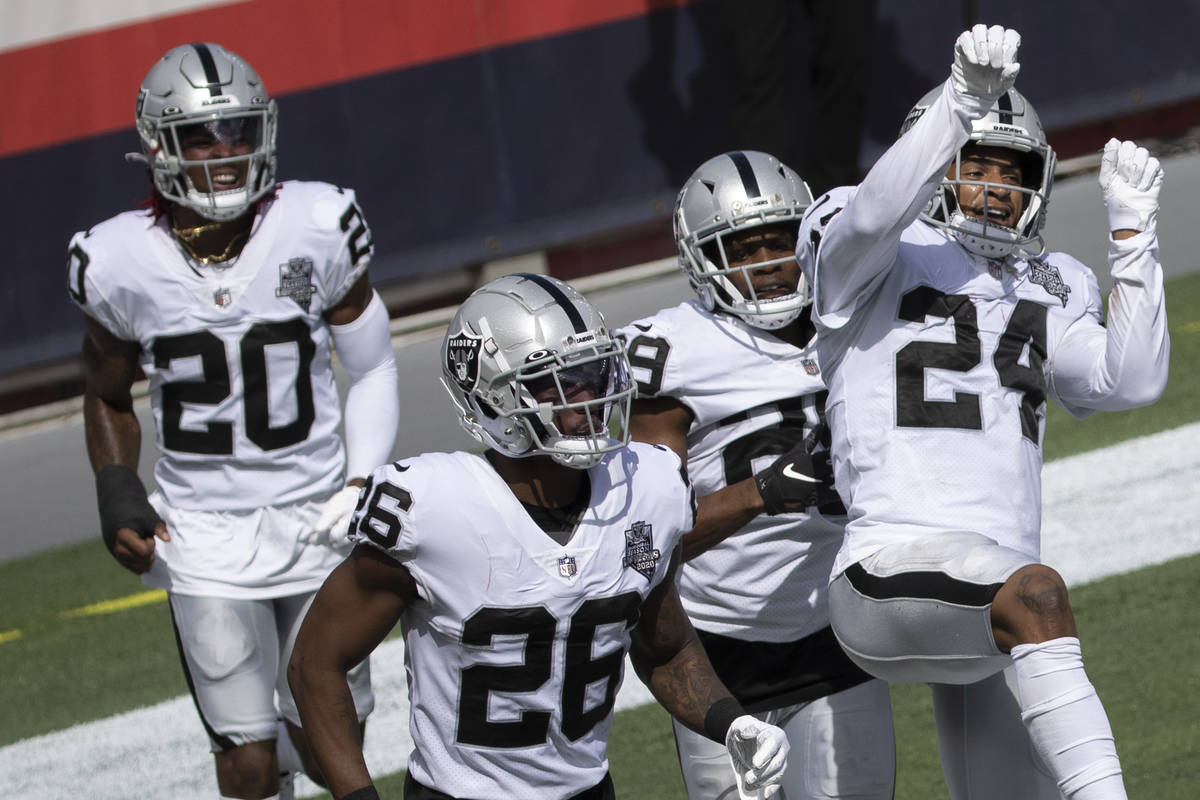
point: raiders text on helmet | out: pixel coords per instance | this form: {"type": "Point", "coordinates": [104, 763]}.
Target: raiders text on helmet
{"type": "Point", "coordinates": [525, 352]}
{"type": "Point", "coordinates": [1011, 123]}
{"type": "Point", "coordinates": [730, 193]}
{"type": "Point", "coordinates": [204, 87]}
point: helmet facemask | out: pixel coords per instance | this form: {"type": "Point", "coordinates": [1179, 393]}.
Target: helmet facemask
{"type": "Point", "coordinates": [244, 133]}
{"type": "Point", "coordinates": [731, 286]}
{"type": "Point", "coordinates": [576, 409]}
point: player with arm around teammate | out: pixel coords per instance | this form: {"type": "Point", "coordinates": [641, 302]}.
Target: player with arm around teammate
{"type": "Point", "coordinates": [943, 327]}
{"type": "Point", "coordinates": [230, 293]}
{"type": "Point", "coordinates": [521, 576]}
{"type": "Point", "coordinates": [730, 381]}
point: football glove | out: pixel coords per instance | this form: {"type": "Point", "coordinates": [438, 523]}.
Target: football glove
{"type": "Point", "coordinates": [1130, 179]}
{"type": "Point", "coordinates": [795, 481]}
{"type": "Point", "coordinates": [334, 521]}
{"type": "Point", "coordinates": [123, 503]}
{"type": "Point", "coordinates": [985, 61]}
{"type": "Point", "coordinates": [758, 753]}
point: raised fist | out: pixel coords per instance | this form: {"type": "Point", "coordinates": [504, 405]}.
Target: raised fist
{"type": "Point", "coordinates": [1130, 179]}
{"type": "Point", "coordinates": [985, 61]}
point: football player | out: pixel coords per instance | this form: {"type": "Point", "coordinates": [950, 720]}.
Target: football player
{"type": "Point", "coordinates": [230, 293]}
{"type": "Point", "coordinates": [731, 383]}
{"type": "Point", "coordinates": [944, 326]}
{"type": "Point", "coordinates": [522, 575]}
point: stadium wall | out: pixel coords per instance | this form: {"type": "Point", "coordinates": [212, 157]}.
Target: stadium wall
{"type": "Point", "coordinates": [473, 130]}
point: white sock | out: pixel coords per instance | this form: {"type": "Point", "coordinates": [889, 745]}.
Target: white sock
{"type": "Point", "coordinates": [289, 758]}
{"type": "Point", "coordinates": [1066, 720]}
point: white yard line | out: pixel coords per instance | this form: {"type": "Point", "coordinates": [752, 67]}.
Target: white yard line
{"type": "Point", "coordinates": [1106, 512]}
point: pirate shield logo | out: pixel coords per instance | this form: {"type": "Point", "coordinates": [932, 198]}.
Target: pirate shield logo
{"type": "Point", "coordinates": [462, 359]}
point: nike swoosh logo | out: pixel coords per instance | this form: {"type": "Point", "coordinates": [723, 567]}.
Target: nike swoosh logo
{"type": "Point", "coordinates": [788, 472]}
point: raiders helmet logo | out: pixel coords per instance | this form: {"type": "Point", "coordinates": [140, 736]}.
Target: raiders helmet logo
{"type": "Point", "coordinates": [462, 359]}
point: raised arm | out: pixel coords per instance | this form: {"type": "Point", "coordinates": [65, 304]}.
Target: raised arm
{"type": "Point", "coordinates": [849, 240]}
{"type": "Point", "coordinates": [128, 523]}
{"type": "Point", "coordinates": [1124, 364]}
{"type": "Point", "coordinates": [358, 604]}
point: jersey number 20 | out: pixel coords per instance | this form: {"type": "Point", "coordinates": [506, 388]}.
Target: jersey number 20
{"type": "Point", "coordinates": [217, 437]}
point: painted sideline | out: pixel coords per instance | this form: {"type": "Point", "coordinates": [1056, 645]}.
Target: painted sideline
{"type": "Point", "coordinates": [1095, 525]}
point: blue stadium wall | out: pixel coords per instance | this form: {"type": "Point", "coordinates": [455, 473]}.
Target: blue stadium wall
{"type": "Point", "coordinates": [560, 128]}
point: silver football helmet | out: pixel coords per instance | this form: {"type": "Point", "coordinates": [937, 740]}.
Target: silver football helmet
{"type": "Point", "coordinates": [532, 369]}
{"type": "Point", "coordinates": [203, 89]}
{"type": "Point", "coordinates": [730, 193]}
{"type": "Point", "coordinates": [1011, 123]}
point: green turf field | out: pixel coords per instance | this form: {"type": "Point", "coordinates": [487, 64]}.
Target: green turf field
{"type": "Point", "coordinates": [65, 660]}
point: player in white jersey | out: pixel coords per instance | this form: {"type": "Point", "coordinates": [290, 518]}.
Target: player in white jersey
{"type": "Point", "coordinates": [730, 381]}
{"type": "Point", "coordinates": [521, 576]}
{"type": "Point", "coordinates": [230, 292]}
{"type": "Point", "coordinates": [944, 327]}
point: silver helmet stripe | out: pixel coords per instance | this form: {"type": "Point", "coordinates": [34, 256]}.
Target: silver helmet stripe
{"type": "Point", "coordinates": [572, 313]}
{"type": "Point", "coordinates": [746, 173]}
{"type": "Point", "coordinates": [210, 68]}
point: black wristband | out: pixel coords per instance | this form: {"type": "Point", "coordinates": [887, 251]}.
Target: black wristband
{"type": "Point", "coordinates": [365, 793]}
{"type": "Point", "coordinates": [123, 503]}
{"type": "Point", "coordinates": [720, 716]}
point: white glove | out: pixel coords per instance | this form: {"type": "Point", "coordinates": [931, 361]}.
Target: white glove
{"type": "Point", "coordinates": [758, 752]}
{"type": "Point", "coordinates": [335, 518]}
{"type": "Point", "coordinates": [985, 61]}
{"type": "Point", "coordinates": [1130, 179]}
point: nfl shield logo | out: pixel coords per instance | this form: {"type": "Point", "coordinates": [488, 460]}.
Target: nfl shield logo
{"type": "Point", "coordinates": [566, 567]}
{"type": "Point", "coordinates": [222, 297]}
{"type": "Point", "coordinates": [462, 359]}
{"type": "Point", "coordinates": [810, 366]}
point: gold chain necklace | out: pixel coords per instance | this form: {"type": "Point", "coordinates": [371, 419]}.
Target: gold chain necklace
{"type": "Point", "coordinates": [188, 236]}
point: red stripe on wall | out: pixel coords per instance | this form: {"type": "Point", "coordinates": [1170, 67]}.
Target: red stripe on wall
{"type": "Point", "coordinates": [86, 85]}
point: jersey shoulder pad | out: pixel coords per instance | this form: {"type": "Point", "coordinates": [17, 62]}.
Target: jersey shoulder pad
{"type": "Point", "coordinates": [389, 509]}
{"type": "Point", "coordinates": [103, 266]}
{"type": "Point", "coordinates": [822, 211]}
{"type": "Point", "coordinates": [331, 219]}
{"type": "Point", "coordinates": [653, 354]}
{"type": "Point", "coordinates": [1069, 280]}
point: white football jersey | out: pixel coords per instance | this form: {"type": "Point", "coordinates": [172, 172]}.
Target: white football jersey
{"type": "Point", "coordinates": [238, 359]}
{"type": "Point", "coordinates": [753, 398]}
{"type": "Point", "coordinates": [517, 645]}
{"type": "Point", "coordinates": [939, 362]}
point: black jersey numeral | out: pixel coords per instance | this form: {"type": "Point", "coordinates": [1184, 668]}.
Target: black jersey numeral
{"type": "Point", "coordinates": [1025, 333]}
{"type": "Point", "coordinates": [213, 387]}
{"type": "Point", "coordinates": [738, 456]}
{"type": "Point", "coordinates": [581, 671]}
{"type": "Point", "coordinates": [1026, 329]}
{"type": "Point", "coordinates": [360, 240]}
{"type": "Point", "coordinates": [381, 522]}
{"type": "Point", "coordinates": [649, 353]}
{"type": "Point", "coordinates": [913, 410]}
